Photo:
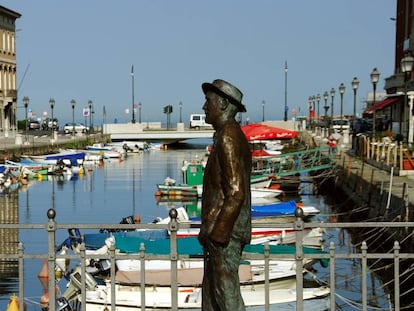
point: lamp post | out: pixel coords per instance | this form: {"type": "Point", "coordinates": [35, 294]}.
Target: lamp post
{"type": "Point", "coordinates": [341, 91]}
{"type": "Point", "coordinates": [410, 119]}
{"type": "Point", "coordinates": [286, 107]}
{"type": "Point", "coordinates": [73, 103]}
{"type": "Point", "coordinates": [139, 112]}
{"type": "Point", "coordinates": [406, 67]}
{"type": "Point", "coordinates": [374, 80]}
{"type": "Point", "coordinates": [332, 109]}
{"type": "Point", "coordinates": [318, 99]}
{"type": "Point", "coordinates": [355, 84]}
{"type": "Point", "coordinates": [263, 110]}
{"type": "Point", "coordinates": [52, 105]}
{"type": "Point", "coordinates": [310, 99]}
{"type": "Point", "coordinates": [132, 78]}
{"type": "Point", "coordinates": [326, 107]}
{"type": "Point", "coordinates": [181, 111]}
{"type": "Point", "coordinates": [26, 104]}
{"type": "Point", "coordinates": [313, 113]}
{"type": "Point", "coordinates": [90, 116]}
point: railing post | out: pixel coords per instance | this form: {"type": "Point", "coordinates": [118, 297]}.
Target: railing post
{"type": "Point", "coordinates": [173, 227]}
{"type": "Point", "coordinates": [113, 265]}
{"type": "Point", "coordinates": [82, 251]}
{"type": "Point", "coordinates": [266, 251]}
{"type": "Point", "coordinates": [332, 274]}
{"type": "Point", "coordinates": [298, 226]}
{"type": "Point", "coordinates": [142, 273]}
{"type": "Point", "coordinates": [51, 229]}
{"type": "Point", "coordinates": [396, 276]}
{"type": "Point", "coordinates": [364, 285]}
{"type": "Point", "coordinates": [20, 249]}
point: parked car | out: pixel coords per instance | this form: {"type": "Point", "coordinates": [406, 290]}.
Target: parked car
{"type": "Point", "coordinates": [33, 125]}
{"type": "Point", "coordinates": [79, 128]}
{"type": "Point", "coordinates": [340, 125]}
{"type": "Point", "coordinates": [49, 124]}
{"type": "Point", "coordinates": [362, 126]}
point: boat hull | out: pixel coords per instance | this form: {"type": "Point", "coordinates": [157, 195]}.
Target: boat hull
{"type": "Point", "coordinates": [189, 298]}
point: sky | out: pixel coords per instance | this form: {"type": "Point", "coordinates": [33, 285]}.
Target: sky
{"type": "Point", "coordinates": [84, 50]}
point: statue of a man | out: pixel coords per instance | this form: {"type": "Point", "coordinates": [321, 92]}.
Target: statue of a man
{"type": "Point", "coordinates": [226, 203]}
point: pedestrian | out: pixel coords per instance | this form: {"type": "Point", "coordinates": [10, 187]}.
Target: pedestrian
{"type": "Point", "coordinates": [226, 203]}
{"type": "Point", "coordinates": [332, 145]}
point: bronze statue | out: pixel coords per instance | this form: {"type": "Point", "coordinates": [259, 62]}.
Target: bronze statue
{"type": "Point", "coordinates": [226, 203]}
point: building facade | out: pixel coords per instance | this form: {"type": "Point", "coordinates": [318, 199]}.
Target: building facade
{"type": "Point", "coordinates": [398, 84]}
{"type": "Point", "coordinates": [8, 85]}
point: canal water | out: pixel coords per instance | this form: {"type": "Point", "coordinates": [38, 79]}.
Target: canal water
{"type": "Point", "coordinates": [107, 193]}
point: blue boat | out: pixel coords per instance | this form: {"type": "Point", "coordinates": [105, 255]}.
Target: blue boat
{"type": "Point", "coordinates": [276, 209]}
{"type": "Point", "coordinates": [73, 158]}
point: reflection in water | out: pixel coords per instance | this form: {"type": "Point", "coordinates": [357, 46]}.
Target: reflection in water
{"type": "Point", "coordinates": [9, 240]}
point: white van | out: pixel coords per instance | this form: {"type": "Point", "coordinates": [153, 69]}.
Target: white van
{"type": "Point", "coordinates": [198, 121]}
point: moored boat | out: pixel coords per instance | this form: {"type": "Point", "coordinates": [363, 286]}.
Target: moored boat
{"type": "Point", "coordinates": [69, 157]}
{"type": "Point", "coordinates": [128, 297]}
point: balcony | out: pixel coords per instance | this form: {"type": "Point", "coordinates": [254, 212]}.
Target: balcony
{"type": "Point", "coordinates": [394, 83]}
{"type": "Point", "coordinates": [10, 93]}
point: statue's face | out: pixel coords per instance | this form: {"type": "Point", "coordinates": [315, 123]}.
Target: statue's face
{"type": "Point", "coordinates": [212, 107]}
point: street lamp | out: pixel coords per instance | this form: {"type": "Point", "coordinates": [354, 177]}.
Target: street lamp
{"type": "Point", "coordinates": [90, 116]}
{"type": "Point", "coordinates": [139, 112]}
{"type": "Point", "coordinates": [341, 91]}
{"type": "Point", "coordinates": [73, 103]}
{"type": "Point", "coordinates": [132, 78]}
{"type": "Point", "coordinates": [286, 107]}
{"type": "Point", "coordinates": [355, 84]}
{"type": "Point", "coordinates": [52, 105]}
{"type": "Point", "coordinates": [310, 103]}
{"type": "Point", "coordinates": [26, 104]}
{"type": "Point", "coordinates": [407, 64]}
{"type": "Point", "coordinates": [263, 110]}
{"type": "Point", "coordinates": [326, 107]}
{"type": "Point", "coordinates": [313, 112]}
{"type": "Point", "coordinates": [181, 111]}
{"type": "Point", "coordinates": [332, 109]}
{"type": "Point", "coordinates": [374, 80]}
{"type": "Point", "coordinates": [318, 99]}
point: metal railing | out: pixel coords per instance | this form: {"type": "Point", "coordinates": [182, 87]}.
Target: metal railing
{"type": "Point", "coordinates": [363, 255]}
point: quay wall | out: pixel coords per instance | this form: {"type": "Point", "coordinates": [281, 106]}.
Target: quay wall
{"type": "Point", "coordinates": [367, 190]}
{"type": "Point", "coordinates": [381, 196]}
{"type": "Point", "coordinates": [9, 150]}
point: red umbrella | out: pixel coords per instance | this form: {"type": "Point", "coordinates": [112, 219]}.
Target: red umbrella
{"type": "Point", "coordinates": [256, 131]}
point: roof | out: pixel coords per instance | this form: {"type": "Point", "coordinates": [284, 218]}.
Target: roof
{"type": "Point", "coordinates": [11, 13]}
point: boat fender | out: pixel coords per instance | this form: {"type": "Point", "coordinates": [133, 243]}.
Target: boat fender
{"type": "Point", "coordinates": [13, 304]}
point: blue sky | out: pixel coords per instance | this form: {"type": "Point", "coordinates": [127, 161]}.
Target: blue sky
{"type": "Point", "coordinates": [85, 49]}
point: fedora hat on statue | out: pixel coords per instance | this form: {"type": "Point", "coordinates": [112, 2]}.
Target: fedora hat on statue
{"type": "Point", "coordinates": [227, 90]}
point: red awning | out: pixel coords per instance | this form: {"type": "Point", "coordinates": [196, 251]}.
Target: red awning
{"type": "Point", "coordinates": [256, 131]}
{"type": "Point", "coordinates": [382, 104]}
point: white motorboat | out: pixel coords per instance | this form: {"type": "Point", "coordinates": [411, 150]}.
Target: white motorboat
{"type": "Point", "coordinates": [189, 298]}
